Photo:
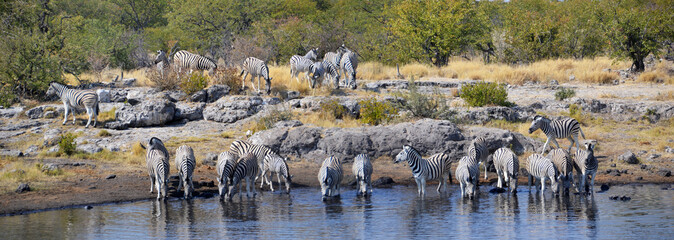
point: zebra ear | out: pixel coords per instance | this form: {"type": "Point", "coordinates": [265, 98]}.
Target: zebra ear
{"type": "Point", "coordinates": [142, 146]}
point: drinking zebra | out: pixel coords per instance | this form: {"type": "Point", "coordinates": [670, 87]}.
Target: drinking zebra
{"type": "Point", "coordinates": [225, 168]}
{"type": "Point", "coordinates": [507, 167]}
{"type": "Point", "coordinates": [554, 129]}
{"type": "Point", "coordinates": [348, 64]}
{"type": "Point", "coordinates": [564, 164]}
{"type": "Point", "coordinates": [331, 72]}
{"type": "Point", "coordinates": [330, 177]}
{"type": "Point", "coordinates": [362, 169]}
{"type": "Point", "coordinates": [436, 167]}
{"type": "Point", "coordinates": [241, 147]}
{"type": "Point", "coordinates": [73, 99]}
{"type": "Point", "coordinates": [273, 163]}
{"type": "Point", "coordinates": [157, 160]}
{"type": "Point", "coordinates": [184, 59]}
{"type": "Point", "coordinates": [185, 163]}
{"type": "Point", "coordinates": [246, 169]}
{"type": "Point", "coordinates": [478, 150]}
{"type": "Point", "coordinates": [541, 168]}
{"type": "Point", "coordinates": [586, 166]}
{"type": "Point", "coordinates": [467, 173]}
{"type": "Point", "coordinates": [256, 68]}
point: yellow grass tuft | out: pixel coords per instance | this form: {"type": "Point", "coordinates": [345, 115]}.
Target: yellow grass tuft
{"type": "Point", "coordinates": [281, 79]}
{"type": "Point", "coordinates": [320, 120]}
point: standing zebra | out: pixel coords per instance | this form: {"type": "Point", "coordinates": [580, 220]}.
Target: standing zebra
{"type": "Point", "coordinates": [256, 68]}
{"type": "Point", "coordinates": [564, 164]}
{"type": "Point", "coordinates": [436, 167]}
{"type": "Point", "coordinates": [184, 59]}
{"type": "Point", "coordinates": [162, 62]}
{"type": "Point", "coordinates": [300, 64]}
{"type": "Point", "coordinates": [246, 168]}
{"type": "Point", "coordinates": [554, 129]}
{"type": "Point", "coordinates": [331, 72]}
{"type": "Point", "coordinates": [541, 167]}
{"type": "Point", "coordinates": [273, 163]}
{"type": "Point", "coordinates": [157, 160]}
{"type": "Point", "coordinates": [348, 64]}
{"type": "Point", "coordinates": [242, 147]}
{"type": "Point", "coordinates": [185, 164]}
{"type": "Point", "coordinates": [467, 173]}
{"type": "Point", "coordinates": [73, 99]}
{"type": "Point", "coordinates": [507, 167]}
{"type": "Point", "coordinates": [478, 150]}
{"type": "Point", "coordinates": [362, 169]}
{"type": "Point", "coordinates": [586, 166]}
{"type": "Point", "coordinates": [330, 177]}
{"type": "Point", "coordinates": [225, 168]}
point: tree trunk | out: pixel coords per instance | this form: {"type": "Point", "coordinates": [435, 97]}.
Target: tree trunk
{"type": "Point", "coordinates": [638, 64]}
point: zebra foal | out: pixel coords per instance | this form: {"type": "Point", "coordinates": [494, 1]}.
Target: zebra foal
{"type": "Point", "coordinates": [330, 177]}
{"type": "Point", "coordinates": [185, 164]}
{"type": "Point", "coordinates": [157, 160]}
{"type": "Point", "coordinates": [225, 168]}
{"type": "Point", "coordinates": [362, 169]}
{"type": "Point", "coordinates": [300, 64]}
{"type": "Point", "coordinates": [256, 68]}
{"type": "Point", "coordinates": [246, 169]}
{"type": "Point", "coordinates": [436, 167]}
{"type": "Point", "coordinates": [557, 129]}
{"type": "Point", "coordinates": [73, 98]}
{"type": "Point", "coordinates": [507, 168]}
{"type": "Point", "coordinates": [541, 168]}
{"type": "Point", "coordinates": [273, 163]}
{"type": "Point", "coordinates": [586, 166]}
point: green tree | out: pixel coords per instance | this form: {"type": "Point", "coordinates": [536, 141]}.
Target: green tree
{"type": "Point", "coordinates": [532, 30]}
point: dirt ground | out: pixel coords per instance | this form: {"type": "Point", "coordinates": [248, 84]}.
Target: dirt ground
{"type": "Point", "coordinates": [132, 183]}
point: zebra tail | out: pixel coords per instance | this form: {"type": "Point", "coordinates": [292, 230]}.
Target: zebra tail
{"type": "Point", "coordinates": [581, 133]}
{"type": "Point", "coordinates": [97, 110]}
{"type": "Point", "coordinates": [241, 74]}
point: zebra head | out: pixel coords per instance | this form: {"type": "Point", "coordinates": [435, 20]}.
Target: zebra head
{"type": "Point", "coordinates": [404, 154]}
{"type": "Point", "coordinates": [537, 123]}
{"type": "Point", "coordinates": [154, 143]}
{"type": "Point", "coordinates": [312, 54]}
{"type": "Point", "coordinates": [589, 145]}
{"type": "Point", "coordinates": [554, 183]}
{"type": "Point", "coordinates": [161, 57]}
{"type": "Point", "coordinates": [268, 82]}
{"type": "Point", "coordinates": [52, 89]}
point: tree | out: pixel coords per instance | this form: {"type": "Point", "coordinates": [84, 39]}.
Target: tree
{"type": "Point", "coordinates": [140, 14]}
{"type": "Point", "coordinates": [532, 30]}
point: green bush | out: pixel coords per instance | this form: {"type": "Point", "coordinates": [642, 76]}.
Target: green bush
{"type": "Point", "coordinates": [424, 105]}
{"type": "Point", "coordinates": [275, 115]}
{"type": "Point", "coordinates": [564, 93]}
{"type": "Point", "coordinates": [67, 144]}
{"type": "Point", "coordinates": [193, 83]}
{"type": "Point", "coordinates": [332, 109]}
{"type": "Point", "coordinates": [7, 97]}
{"type": "Point", "coordinates": [374, 112]}
{"type": "Point", "coordinates": [485, 93]}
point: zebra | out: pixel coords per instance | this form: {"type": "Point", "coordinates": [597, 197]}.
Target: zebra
{"type": "Point", "coordinates": [564, 164]}
{"type": "Point", "coordinates": [507, 167]}
{"type": "Point", "coordinates": [300, 64]}
{"type": "Point", "coordinates": [348, 64]}
{"type": "Point", "coordinates": [225, 168]}
{"type": "Point", "coordinates": [256, 68]}
{"type": "Point", "coordinates": [73, 98]}
{"type": "Point", "coordinates": [312, 54]}
{"type": "Point", "coordinates": [330, 176]}
{"type": "Point", "coordinates": [317, 72]}
{"type": "Point", "coordinates": [541, 168]}
{"type": "Point", "coordinates": [436, 167]}
{"type": "Point", "coordinates": [184, 59]}
{"type": "Point", "coordinates": [241, 147]}
{"type": "Point", "coordinates": [334, 57]}
{"type": "Point", "coordinates": [362, 169]}
{"type": "Point", "coordinates": [478, 150]}
{"type": "Point", "coordinates": [273, 163]}
{"type": "Point", "coordinates": [331, 72]}
{"type": "Point", "coordinates": [467, 173]}
{"type": "Point", "coordinates": [157, 160]}
{"type": "Point", "coordinates": [185, 164]}
{"type": "Point", "coordinates": [553, 129]}
{"type": "Point", "coordinates": [586, 166]}
{"type": "Point", "coordinates": [162, 62]}
{"type": "Point", "coordinates": [246, 168]}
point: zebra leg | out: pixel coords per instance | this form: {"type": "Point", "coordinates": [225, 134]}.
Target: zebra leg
{"type": "Point", "coordinates": [72, 112]}
{"type": "Point", "coordinates": [545, 145]}
{"type": "Point", "coordinates": [485, 169]}
{"type": "Point", "coordinates": [262, 182]}
{"type": "Point", "coordinates": [180, 181]}
{"type": "Point", "coordinates": [152, 183]}
{"type": "Point", "coordinates": [243, 80]}
{"type": "Point", "coordinates": [555, 142]}
{"type": "Point", "coordinates": [592, 183]}
{"type": "Point", "coordinates": [418, 185]}
{"type": "Point", "coordinates": [65, 116]}
{"type": "Point", "coordinates": [499, 177]}
{"type": "Point", "coordinates": [423, 187]}
{"type": "Point", "coordinates": [529, 184]}
{"type": "Point", "coordinates": [278, 179]}
{"type": "Point", "coordinates": [158, 186]}
{"type": "Point", "coordinates": [542, 185]}
{"type": "Point", "coordinates": [90, 112]}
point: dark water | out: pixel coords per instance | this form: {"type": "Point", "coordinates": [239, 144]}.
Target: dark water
{"type": "Point", "coordinates": [389, 213]}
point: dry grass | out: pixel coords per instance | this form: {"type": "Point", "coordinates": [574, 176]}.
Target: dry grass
{"type": "Point", "coordinates": [376, 71]}
{"type": "Point", "coordinates": [664, 96]}
{"type": "Point", "coordinates": [281, 80]}
{"type": "Point", "coordinates": [109, 74]}
{"type": "Point", "coordinates": [321, 120]}
{"type": "Point", "coordinates": [15, 172]}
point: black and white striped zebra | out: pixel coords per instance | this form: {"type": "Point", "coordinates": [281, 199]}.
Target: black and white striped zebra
{"type": "Point", "coordinates": [467, 174]}
{"type": "Point", "coordinates": [73, 99]}
{"type": "Point", "coordinates": [184, 59]}
{"type": "Point", "coordinates": [586, 166]}
{"type": "Point", "coordinates": [478, 150]}
{"type": "Point", "coordinates": [436, 167]}
{"type": "Point", "coordinates": [273, 163]}
{"type": "Point", "coordinates": [362, 169]}
{"type": "Point", "coordinates": [348, 65]}
{"type": "Point", "coordinates": [507, 167]}
{"type": "Point", "coordinates": [185, 164]}
{"type": "Point", "coordinates": [564, 164]}
{"type": "Point", "coordinates": [256, 68]}
{"type": "Point", "coordinates": [334, 57]}
{"type": "Point", "coordinates": [331, 72]}
{"type": "Point", "coordinates": [312, 54]}
{"type": "Point", "coordinates": [317, 73]}
{"type": "Point", "coordinates": [162, 61]}
{"type": "Point", "coordinates": [246, 169]}
{"type": "Point", "coordinates": [554, 129]}
{"type": "Point", "coordinates": [225, 168]}
{"type": "Point", "coordinates": [157, 160]}
{"type": "Point", "coordinates": [541, 168]}
{"type": "Point", "coordinates": [241, 147]}
{"type": "Point", "coordinates": [300, 64]}
{"type": "Point", "coordinates": [330, 177]}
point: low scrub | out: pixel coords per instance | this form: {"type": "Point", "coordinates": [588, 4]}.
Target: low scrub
{"type": "Point", "coordinates": [333, 110]}
{"type": "Point", "coordinates": [484, 94]}
{"type": "Point", "coordinates": [424, 105]}
{"type": "Point", "coordinates": [228, 76]}
{"type": "Point", "coordinates": [375, 112]}
{"type": "Point", "coordinates": [275, 115]}
{"type": "Point", "coordinates": [194, 83]}
{"type": "Point", "coordinates": [67, 144]}
{"type": "Point", "coordinates": [167, 81]}
{"type": "Point", "coordinates": [564, 93]}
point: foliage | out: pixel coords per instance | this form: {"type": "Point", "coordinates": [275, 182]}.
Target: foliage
{"type": "Point", "coordinates": [423, 105]}
{"type": "Point", "coordinates": [67, 144]}
{"type": "Point", "coordinates": [7, 97]}
{"type": "Point", "coordinates": [485, 93]}
{"type": "Point", "coordinates": [374, 112]}
{"type": "Point", "coordinates": [332, 109]}
{"type": "Point", "coordinates": [194, 83]}
{"type": "Point", "coordinates": [228, 76]}
{"type": "Point", "coordinates": [167, 81]}
{"type": "Point", "coordinates": [272, 117]}
{"type": "Point", "coordinates": [564, 93]}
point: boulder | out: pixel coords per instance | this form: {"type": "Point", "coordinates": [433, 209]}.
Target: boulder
{"type": "Point", "coordinates": [151, 112]}
{"type": "Point", "coordinates": [288, 124]}
{"type": "Point", "coordinates": [292, 95]}
{"type": "Point", "coordinates": [11, 153]}
{"type": "Point", "coordinates": [481, 115]}
{"type": "Point", "coordinates": [24, 187]}
{"type": "Point", "coordinates": [89, 148]}
{"type": "Point", "coordinates": [10, 112]}
{"type": "Point", "coordinates": [38, 112]}
{"type": "Point", "coordinates": [118, 95]}
{"type": "Point", "coordinates": [383, 182]}
{"type": "Point", "coordinates": [189, 111]}
{"type": "Point", "coordinates": [51, 137]}
{"type": "Point", "coordinates": [210, 160]}
{"type": "Point", "coordinates": [199, 96]}
{"type": "Point", "coordinates": [232, 109]}
{"type": "Point", "coordinates": [664, 173]}
{"type": "Point", "coordinates": [103, 95]}
{"type": "Point", "coordinates": [216, 92]}
{"type": "Point", "coordinates": [112, 176]}
{"type": "Point", "coordinates": [176, 95]}
{"type": "Point", "coordinates": [128, 82]}
{"type": "Point", "coordinates": [628, 158]}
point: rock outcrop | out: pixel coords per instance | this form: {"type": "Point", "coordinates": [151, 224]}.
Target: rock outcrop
{"type": "Point", "coordinates": [152, 111]}
{"type": "Point", "coordinates": [232, 109]}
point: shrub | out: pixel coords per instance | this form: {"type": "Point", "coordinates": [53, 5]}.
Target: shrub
{"type": "Point", "coordinates": [168, 81]}
{"type": "Point", "coordinates": [193, 83]}
{"type": "Point", "coordinates": [423, 105]}
{"type": "Point", "coordinates": [67, 144]}
{"type": "Point", "coordinates": [332, 109]}
{"type": "Point", "coordinates": [485, 93]}
{"type": "Point", "coordinates": [7, 97]}
{"type": "Point", "coordinates": [374, 112]}
{"type": "Point", "coordinates": [228, 76]}
{"type": "Point", "coordinates": [275, 115]}
{"type": "Point", "coordinates": [564, 93]}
